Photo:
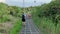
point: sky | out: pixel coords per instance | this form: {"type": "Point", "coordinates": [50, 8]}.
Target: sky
{"type": "Point", "coordinates": [27, 3]}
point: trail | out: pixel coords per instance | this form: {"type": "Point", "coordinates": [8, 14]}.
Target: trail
{"type": "Point", "coordinates": [29, 28]}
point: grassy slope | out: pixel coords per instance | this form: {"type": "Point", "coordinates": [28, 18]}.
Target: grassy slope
{"type": "Point", "coordinates": [44, 24]}
{"type": "Point", "coordinates": [16, 28]}
{"type": "Point", "coordinates": [5, 16]}
{"type": "Point", "coordinates": [47, 23]}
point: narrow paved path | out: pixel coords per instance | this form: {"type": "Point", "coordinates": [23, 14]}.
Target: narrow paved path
{"type": "Point", "coordinates": [29, 28]}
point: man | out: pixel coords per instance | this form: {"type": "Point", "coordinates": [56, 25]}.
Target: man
{"type": "Point", "coordinates": [23, 19]}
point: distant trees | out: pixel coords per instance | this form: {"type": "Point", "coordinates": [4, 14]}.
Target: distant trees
{"type": "Point", "coordinates": [12, 10]}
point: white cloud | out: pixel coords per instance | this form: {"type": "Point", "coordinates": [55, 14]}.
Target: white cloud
{"type": "Point", "coordinates": [27, 2]}
{"type": "Point", "coordinates": [14, 0]}
{"type": "Point", "coordinates": [2, 0]}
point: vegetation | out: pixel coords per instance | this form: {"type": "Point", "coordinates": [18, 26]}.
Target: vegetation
{"type": "Point", "coordinates": [10, 19]}
{"type": "Point", "coordinates": [16, 28]}
{"type": "Point", "coordinates": [47, 17]}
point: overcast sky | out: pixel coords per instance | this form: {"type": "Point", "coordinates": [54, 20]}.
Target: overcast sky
{"type": "Point", "coordinates": [26, 2]}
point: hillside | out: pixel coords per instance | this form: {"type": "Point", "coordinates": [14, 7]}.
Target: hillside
{"type": "Point", "coordinates": [10, 19]}
{"type": "Point", "coordinates": [47, 17]}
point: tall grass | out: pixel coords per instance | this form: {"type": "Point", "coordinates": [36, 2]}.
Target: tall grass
{"type": "Point", "coordinates": [46, 25]}
{"type": "Point", "coordinates": [9, 14]}
{"type": "Point", "coordinates": [3, 18]}
{"type": "Point", "coordinates": [16, 28]}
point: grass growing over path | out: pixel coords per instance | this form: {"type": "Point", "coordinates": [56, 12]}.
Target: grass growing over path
{"type": "Point", "coordinates": [45, 25]}
{"type": "Point", "coordinates": [16, 28]}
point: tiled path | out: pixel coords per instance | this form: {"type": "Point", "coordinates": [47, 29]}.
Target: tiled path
{"type": "Point", "coordinates": [29, 28]}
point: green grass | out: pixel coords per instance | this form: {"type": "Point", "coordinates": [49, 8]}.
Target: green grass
{"type": "Point", "coordinates": [16, 28]}
{"type": "Point", "coordinates": [4, 19]}
{"type": "Point", "coordinates": [7, 17]}
{"type": "Point", "coordinates": [45, 25]}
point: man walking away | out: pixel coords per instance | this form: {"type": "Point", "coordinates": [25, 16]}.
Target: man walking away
{"type": "Point", "coordinates": [23, 19]}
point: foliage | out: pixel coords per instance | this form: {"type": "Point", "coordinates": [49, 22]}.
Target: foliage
{"type": "Point", "coordinates": [9, 14]}
{"type": "Point", "coordinates": [16, 28]}
{"type": "Point", "coordinates": [47, 16]}
{"type": "Point", "coordinates": [6, 10]}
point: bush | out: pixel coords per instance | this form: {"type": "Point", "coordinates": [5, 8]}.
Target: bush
{"type": "Point", "coordinates": [16, 28]}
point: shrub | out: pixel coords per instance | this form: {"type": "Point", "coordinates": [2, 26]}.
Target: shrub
{"type": "Point", "coordinates": [16, 28]}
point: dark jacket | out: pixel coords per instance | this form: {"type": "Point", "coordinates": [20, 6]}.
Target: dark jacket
{"type": "Point", "coordinates": [23, 18]}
